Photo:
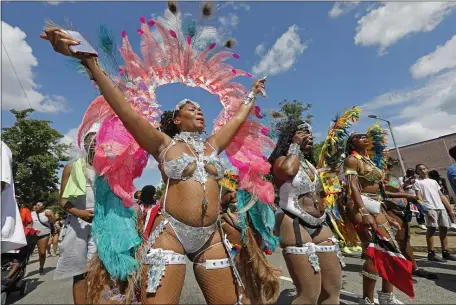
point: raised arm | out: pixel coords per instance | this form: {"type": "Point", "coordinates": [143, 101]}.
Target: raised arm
{"type": "Point", "coordinates": [222, 138]}
{"type": "Point", "coordinates": [152, 140]}
{"type": "Point", "coordinates": [351, 173]}
{"type": "Point", "coordinates": [285, 168]}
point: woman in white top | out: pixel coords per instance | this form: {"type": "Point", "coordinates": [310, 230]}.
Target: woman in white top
{"type": "Point", "coordinates": [310, 250]}
{"type": "Point", "coordinates": [43, 221]}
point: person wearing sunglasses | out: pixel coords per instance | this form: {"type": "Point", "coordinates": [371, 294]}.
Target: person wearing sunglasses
{"type": "Point", "coordinates": [375, 228]}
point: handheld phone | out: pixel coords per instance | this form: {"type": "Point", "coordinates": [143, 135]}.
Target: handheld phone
{"type": "Point", "coordinates": [84, 47]}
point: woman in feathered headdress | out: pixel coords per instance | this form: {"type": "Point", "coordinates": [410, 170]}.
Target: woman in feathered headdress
{"type": "Point", "coordinates": [249, 229]}
{"type": "Point", "coordinates": [330, 160]}
{"type": "Point", "coordinates": [364, 170]}
{"type": "Point", "coordinates": [310, 250]}
{"type": "Point", "coordinates": [188, 223]}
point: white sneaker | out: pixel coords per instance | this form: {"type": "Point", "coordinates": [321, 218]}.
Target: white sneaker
{"type": "Point", "coordinates": [422, 227]}
{"type": "Point", "coordinates": [387, 298]}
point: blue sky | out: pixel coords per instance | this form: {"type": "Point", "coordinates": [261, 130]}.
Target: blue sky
{"type": "Point", "coordinates": [397, 60]}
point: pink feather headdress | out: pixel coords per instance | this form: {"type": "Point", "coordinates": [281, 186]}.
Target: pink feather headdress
{"type": "Point", "coordinates": [179, 56]}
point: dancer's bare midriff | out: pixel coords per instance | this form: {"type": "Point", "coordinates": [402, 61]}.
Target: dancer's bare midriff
{"type": "Point", "coordinates": [184, 202]}
{"type": "Point", "coordinates": [316, 209]}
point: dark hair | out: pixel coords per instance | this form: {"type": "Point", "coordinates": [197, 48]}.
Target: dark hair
{"type": "Point", "coordinates": [433, 174]}
{"type": "Point", "coordinates": [167, 123]}
{"type": "Point", "coordinates": [418, 165]}
{"type": "Point", "coordinates": [137, 195]}
{"type": "Point", "coordinates": [148, 194]}
{"type": "Point", "coordinates": [452, 152]}
{"type": "Point", "coordinates": [287, 131]}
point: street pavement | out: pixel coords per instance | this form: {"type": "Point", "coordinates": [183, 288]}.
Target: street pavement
{"type": "Point", "coordinates": [44, 290]}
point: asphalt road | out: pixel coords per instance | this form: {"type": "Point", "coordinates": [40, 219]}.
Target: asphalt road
{"type": "Point", "coordinates": [44, 290]}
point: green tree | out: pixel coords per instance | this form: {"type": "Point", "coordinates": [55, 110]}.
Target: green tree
{"type": "Point", "coordinates": [37, 155]}
{"type": "Point", "coordinates": [297, 110]}
{"type": "Point", "coordinates": [160, 190]}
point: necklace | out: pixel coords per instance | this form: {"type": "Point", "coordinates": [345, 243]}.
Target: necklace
{"type": "Point", "coordinates": [197, 147]}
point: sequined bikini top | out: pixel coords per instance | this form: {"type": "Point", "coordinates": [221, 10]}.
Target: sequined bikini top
{"type": "Point", "coordinates": [175, 169]}
{"type": "Point", "coordinates": [302, 183]}
{"type": "Point", "coordinates": [369, 171]}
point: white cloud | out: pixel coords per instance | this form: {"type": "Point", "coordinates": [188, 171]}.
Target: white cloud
{"type": "Point", "coordinates": [21, 56]}
{"type": "Point", "coordinates": [55, 3]}
{"type": "Point", "coordinates": [232, 20]}
{"type": "Point", "coordinates": [151, 164]}
{"type": "Point", "coordinates": [259, 50]}
{"type": "Point", "coordinates": [71, 138]}
{"type": "Point", "coordinates": [340, 8]}
{"type": "Point", "coordinates": [235, 5]}
{"type": "Point", "coordinates": [420, 113]}
{"type": "Point", "coordinates": [444, 57]}
{"type": "Point", "coordinates": [283, 54]}
{"type": "Point", "coordinates": [386, 25]}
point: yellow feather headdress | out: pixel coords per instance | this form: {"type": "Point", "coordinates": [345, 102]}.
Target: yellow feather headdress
{"type": "Point", "coordinates": [332, 152]}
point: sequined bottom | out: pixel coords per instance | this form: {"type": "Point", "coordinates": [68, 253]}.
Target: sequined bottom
{"type": "Point", "coordinates": [312, 249]}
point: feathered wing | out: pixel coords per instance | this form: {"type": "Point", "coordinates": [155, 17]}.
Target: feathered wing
{"type": "Point", "coordinates": [378, 149]}
{"type": "Point", "coordinates": [334, 144]}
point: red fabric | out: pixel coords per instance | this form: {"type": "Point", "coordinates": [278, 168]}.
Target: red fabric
{"type": "Point", "coordinates": [153, 215]}
{"type": "Point", "coordinates": [26, 217]}
{"type": "Point", "coordinates": [393, 267]}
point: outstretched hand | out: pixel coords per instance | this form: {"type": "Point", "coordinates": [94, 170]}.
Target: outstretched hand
{"type": "Point", "coordinates": [60, 41]}
{"type": "Point", "coordinates": [259, 86]}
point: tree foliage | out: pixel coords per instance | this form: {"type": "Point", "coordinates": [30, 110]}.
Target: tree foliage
{"type": "Point", "coordinates": [300, 111]}
{"type": "Point", "coordinates": [37, 154]}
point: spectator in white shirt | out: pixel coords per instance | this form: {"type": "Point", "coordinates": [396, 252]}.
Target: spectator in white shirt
{"type": "Point", "coordinates": [428, 191]}
{"type": "Point", "coordinates": [13, 236]}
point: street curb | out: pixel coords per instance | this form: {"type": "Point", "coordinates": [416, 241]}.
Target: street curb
{"type": "Point", "coordinates": [436, 249]}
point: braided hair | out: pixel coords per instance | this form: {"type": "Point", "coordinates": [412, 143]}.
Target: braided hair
{"type": "Point", "coordinates": [287, 131]}
{"type": "Point", "coordinates": [167, 123]}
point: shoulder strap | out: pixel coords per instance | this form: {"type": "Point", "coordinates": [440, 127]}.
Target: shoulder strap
{"type": "Point", "coordinates": [38, 215]}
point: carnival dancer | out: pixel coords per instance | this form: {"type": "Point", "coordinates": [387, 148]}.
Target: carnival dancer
{"type": "Point", "coordinates": [329, 166]}
{"type": "Point", "coordinates": [310, 250]}
{"type": "Point", "coordinates": [250, 233]}
{"type": "Point", "coordinates": [76, 245]}
{"type": "Point", "coordinates": [364, 174]}
{"type": "Point", "coordinates": [189, 218]}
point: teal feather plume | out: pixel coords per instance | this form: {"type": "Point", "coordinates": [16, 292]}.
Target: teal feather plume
{"type": "Point", "coordinates": [114, 230]}
{"type": "Point", "coordinates": [261, 217]}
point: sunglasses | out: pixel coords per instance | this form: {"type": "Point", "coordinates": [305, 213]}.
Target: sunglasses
{"type": "Point", "coordinates": [360, 136]}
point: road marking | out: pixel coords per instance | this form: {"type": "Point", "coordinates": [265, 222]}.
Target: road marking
{"type": "Point", "coordinates": [344, 292]}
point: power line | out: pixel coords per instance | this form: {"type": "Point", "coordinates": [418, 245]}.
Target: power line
{"type": "Point", "coordinates": [17, 77]}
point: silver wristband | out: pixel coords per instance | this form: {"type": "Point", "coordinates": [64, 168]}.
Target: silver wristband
{"type": "Point", "coordinates": [249, 98]}
{"type": "Point", "coordinates": [294, 149]}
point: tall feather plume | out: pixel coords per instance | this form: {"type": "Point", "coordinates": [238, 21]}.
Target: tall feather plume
{"type": "Point", "coordinates": [334, 144]}
{"type": "Point", "coordinates": [377, 149]}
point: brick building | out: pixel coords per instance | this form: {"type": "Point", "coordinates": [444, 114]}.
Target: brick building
{"type": "Point", "coordinates": [433, 153]}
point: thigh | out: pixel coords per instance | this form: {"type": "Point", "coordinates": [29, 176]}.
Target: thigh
{"type": "Point", "coordinates": [299, 267]}
{"type": "Point", "coordinates": [171, 284]}
{"type": "Point", "coordinates": [431, 222]}
{"type": "Point", "coordinates": [443, 219]}
{"type": "Point", "coordinates": [331, 270]}
{"type": "Point", "coordinates": [42, 244]}
{"type": "Point", "coordinates": [218, 285]}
